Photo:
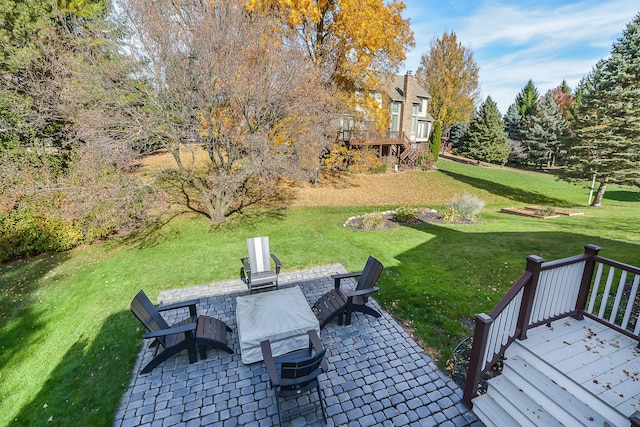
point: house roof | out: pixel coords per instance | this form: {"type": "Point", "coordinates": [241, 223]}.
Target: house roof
{"type": "Point", "coordinates": [396, 92]}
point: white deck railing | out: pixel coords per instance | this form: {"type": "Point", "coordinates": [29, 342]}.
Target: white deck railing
{"type": "Point", "coordinates": [615, 300]}
{"type": "Point", "coordinates": [552, 290]}
{"type": "Point", "coordinates": [557, 291]}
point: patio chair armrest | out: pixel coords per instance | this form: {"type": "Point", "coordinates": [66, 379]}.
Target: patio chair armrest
{"type": "Point", "coordinates": [267, 355]}
{"type": "Point", "coordinates": [337, 278]}
{"type": "Point", "coordinates": [246, 265]}
{"type": "Point", "coordinates": [191, 304]}
{"type": "Point", "coordinates": [277, 261]}
{"type": "Point", "coordinates": [314, 340]}
{"type": "Point", "coordinates": [350, 293]}
{"type": "Point", "coordinates": [177, 330]}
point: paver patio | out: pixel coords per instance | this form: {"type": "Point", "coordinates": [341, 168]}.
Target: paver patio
{"type": "Point", "coordinates": [378, 375]}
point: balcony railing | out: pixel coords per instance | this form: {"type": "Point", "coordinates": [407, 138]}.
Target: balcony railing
{"type": "Point", "coordinates": [364, 137]}
{"type": "Point", "coordinates": [549, 291]}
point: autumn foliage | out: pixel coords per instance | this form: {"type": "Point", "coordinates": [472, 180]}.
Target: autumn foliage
{"type": "Point", "coordinates": [450, 75]}
{"type": "Point", "coordinates": [354, 43]}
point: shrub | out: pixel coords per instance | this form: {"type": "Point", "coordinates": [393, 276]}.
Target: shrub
{"type": "Point", "coordinates": [424, 161]}
{"type": "Point", "coordinates": [25, 233]}
{"type": "Point", "coordinates": [364, 160]}
{"type": "Point", "coordinates": [406, 213]}
{"type": "Point", "coordinates": [354, 160]}
{"type": "Point", "coordinates": [545, 211]}
{"type": "Point", "coordinates": [373, 221]}
{"type": "Point", "coordinates": [450, 215]}
{"type": "Point", "coordinates": [467, 206]}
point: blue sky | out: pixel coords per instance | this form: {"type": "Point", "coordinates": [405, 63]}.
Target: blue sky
{"type": "Point", "coordinates": [514, 41]}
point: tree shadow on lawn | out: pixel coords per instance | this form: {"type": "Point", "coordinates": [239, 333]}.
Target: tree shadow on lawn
{"type": "Point", "coordinates": [19, 310]}
{"type": "Point", "coordinates": [87, 385]}
{"type": "Point", "coordinates": [514, 193]}
{"type": "Point", "coordinates": [623, 195]}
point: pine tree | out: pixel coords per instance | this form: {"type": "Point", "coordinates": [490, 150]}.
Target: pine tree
{"type": "Point", "coordinates": [513, 126]}
{"type": "Point", "coordinates": [513, 123]}
{"type": "Point", "coordinates": [527, 98]}
{"type": "Point", "coordinates": [486, 139]}
{"type": "Point", "coordinates": [606, 144]}
{"type": "Point", "coordinates": [543, 131]}
{"type": "Point", "coordinates": [457, 133]}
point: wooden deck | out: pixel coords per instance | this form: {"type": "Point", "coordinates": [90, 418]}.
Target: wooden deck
{"type": "Point", "coordinates": [601, 360]}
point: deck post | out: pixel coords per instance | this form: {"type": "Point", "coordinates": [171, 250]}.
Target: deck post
{"type": "Point", "coordinates": [474, 371]}
{"type": "Point", "coordinates": [534, 264]}
{"type": "Point", "coordinates": [590, 251]}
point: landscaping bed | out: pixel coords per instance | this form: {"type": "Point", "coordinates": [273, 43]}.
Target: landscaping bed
{"type": "Point", "coordinates": [390, 219]}
{"type": "Point", "coordinates": [543, 212]}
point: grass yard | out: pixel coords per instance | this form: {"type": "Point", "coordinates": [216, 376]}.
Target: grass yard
{"type": "Point", "coordinates": [68, 341]}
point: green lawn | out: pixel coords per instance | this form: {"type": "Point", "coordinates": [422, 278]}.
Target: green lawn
{"type": "Point", "coordinates": [68, 341]}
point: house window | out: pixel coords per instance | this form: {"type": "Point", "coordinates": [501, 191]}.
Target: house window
{"type": "Point", "coordinates": [414, 119]}
{"type": "Point", "coordinates": [395, 116]}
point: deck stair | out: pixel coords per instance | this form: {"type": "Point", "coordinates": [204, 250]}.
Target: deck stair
{"type": "Point", "coordinates": [526, 395]}
{"type": "Point", "coordinates": [409, 155]}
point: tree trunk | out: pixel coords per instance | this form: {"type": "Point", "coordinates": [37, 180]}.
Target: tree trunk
{"type": "Point", "coordinates": [597, 201]}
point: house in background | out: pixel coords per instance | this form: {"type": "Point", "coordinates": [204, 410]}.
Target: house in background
{"type": "Point", "coordinates": [410, 125]}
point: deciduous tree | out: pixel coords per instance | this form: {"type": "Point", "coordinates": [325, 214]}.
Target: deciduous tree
{"type": "Point", "coordinates": [59, 186]}
{"type": "Point", "coordinates": [606, 145]}
{"type": "Point", "coordinates": [564, 100]}
{"type": "Point", "coordinates": [354, 42]}
{"type": "Point", "coordinates": [450, 75]}
{"type": "Point", "coordinates": [236, 105]}
{"type": "Point", "coordinates": [486, 139]}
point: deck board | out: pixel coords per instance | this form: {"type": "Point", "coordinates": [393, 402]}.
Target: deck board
{"type": "Point", "coordinates": [599, 358]}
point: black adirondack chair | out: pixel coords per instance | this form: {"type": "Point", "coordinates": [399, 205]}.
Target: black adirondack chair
{"type": "Point", "coordinates": [297, 372]}
{"type": "Point", "coordinates": [194, 332]}
{"type": "Point", "coordinates": [256, 268]}
{"type": "Point", "coordinates": [341, 303]}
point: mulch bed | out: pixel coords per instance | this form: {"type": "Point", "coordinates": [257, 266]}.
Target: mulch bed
{"type": "Point", "coordinates": [459, 362]}
{"type": "Point", "coordinates": [424, 216]}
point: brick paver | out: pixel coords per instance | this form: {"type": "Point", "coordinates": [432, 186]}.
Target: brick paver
{"type": "Point", "coordinates": [378, 375]}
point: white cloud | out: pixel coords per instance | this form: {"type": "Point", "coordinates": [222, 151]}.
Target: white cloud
{"type": "Point", "coordinates": [546, 41]}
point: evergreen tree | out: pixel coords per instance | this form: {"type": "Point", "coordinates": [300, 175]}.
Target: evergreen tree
{"type": "Point", "coordinates": [606, 142]}
{"type": "Point", "coordinates": [435, 141]}
{"type": "Point", "coordinates": [513, 126]}
{"type": "Point", "coordinates": [527, 98]}
{"type": "Point", "coordinates": [543, 131]}
{"type": "Point", "coordinates": [486, 139]}
{"type": "Point", "coordinates": [586, 84]}
{"type": "Point", "coordinates": [513, 123]}
{"type": "Point", "coordinates": [457, 133]}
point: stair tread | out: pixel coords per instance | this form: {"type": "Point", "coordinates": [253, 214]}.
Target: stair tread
{"type": "Point", "coordinates": [491, 413]}
{"type": "Point", "coordinates": [596, 405]}
{"type": "Point", "coordinates": [558, 400]}
{"type": "Point", "coordinates": [521, 406]}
